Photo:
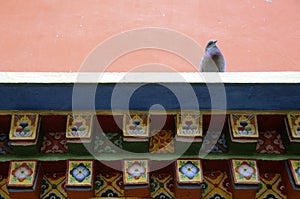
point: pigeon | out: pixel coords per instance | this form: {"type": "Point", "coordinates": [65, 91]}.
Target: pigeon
{"type": "Point", "coordinates": [212, 60]}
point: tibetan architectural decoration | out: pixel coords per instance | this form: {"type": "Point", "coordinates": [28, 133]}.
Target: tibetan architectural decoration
{"type": "Point", "coordinates": [161, 142]}
{"type": "Point", "coordinates": [24, 127]}
{"type": "Point", "coordinates": [295, 170]}
{"type": "Point", "coordinates": [22, 173]}
{"type": "Point", "coordinates": [79, 126]}
{"type": "Point", "coordinates": [189, 171]}
{"type": "Point", "coordinates": [136, 126]}
{"type": "Point", "coordinates": [293, 130]}
{"type": "Point", "coordinates": [244, 171]}
{"type": "Point", "coordinates": [135, 172]}
{"type": "Point", "coordinates": [79, 173]}
{"type": "Point", "coordinates": [243, 127]}
{"type": "Point", "coordinates": [189, 125]}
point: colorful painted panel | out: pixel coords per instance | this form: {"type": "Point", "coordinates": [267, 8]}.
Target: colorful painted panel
{"type": "Point", "coordinates": [79, 173]}
{"type": "Point", "coordinates": [216, 184]}
{"type": "Point", "coordinates": [214, 142]}
{"type": "Point", "coordinates": [161, 142]}
{"type": "Point", "coordinates": [136, 125]}
{"type": "Point", "coordinates": [53, 186]}
{"type": "Point", "coordinates": [79, 126]}
{"type": "Point", "coordinates": [295, 170]}
{"type": "Point", "coordinates": [245, 171]}
{"type": "Point", "coordinates": [189, 124]}
{"type": "Point", "coordinates": [135, 172]}
{"type": "Point", "coordinates": [54, 142]}
{"type": "Point", "coordinates": [294, 124]}
{"type": "Point", "coordinates": [4, 194]}
{"type": "Point", "coordinates": [162, 186]}
{"type": "Point", "coordinates": [109, 184]}
{"type": "Point", "coordinates": [270, 142]}
{"type": "Point", "coordinates": [24, 126]}
{"type": "Point", "coordinates": [189, 171]}
{"type": "Point", "coordinates": [22, 173]}
{"type": "Point", "coordinates": [271, 187]}
{"type": "Point", "coordinates": [244, 126]}
{"type": "Point", "coordinates": [108, 142]}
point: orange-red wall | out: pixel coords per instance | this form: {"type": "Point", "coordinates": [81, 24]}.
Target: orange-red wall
{"type": "Point", "coordinates": [256, 35]}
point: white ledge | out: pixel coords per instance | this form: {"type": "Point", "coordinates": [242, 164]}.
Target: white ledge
{"type": "Point", "coordinates": [149, 77]}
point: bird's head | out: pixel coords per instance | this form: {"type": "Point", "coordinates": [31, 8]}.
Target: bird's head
{"type": "Point", "coordinates": [211, 48]}
{"type": "Point", "coordinates": [210, 44]}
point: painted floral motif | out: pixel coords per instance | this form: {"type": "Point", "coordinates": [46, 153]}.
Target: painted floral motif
{"type": "Point", "coordinates": [109, 184]}
{"type": "Point", "coordinates": [80, 173]}
{"type": "Point", "coordinates": [136, 125]}
{"type": "Point", "coordinates": [294, 124]}
{"type": "Point", "coordinates": [79, 126]}
{"type": "Point", "coordinates": [271, 186]}
{"type": "Point", "coordinates": [22, 173]}
{"type": "Point", "coordinates": [270, 142]}
{"type": "Point", "coordinates": [244, 125]}
{"type": "Point", "coordinates": [108, 143]}
{"type": "Point", "coordinates": [189, 171]}
{"type": "Point", "coordinates": [210, 143]}
{"type": "Point", "coordinates": [162, 186]}
{"type": "Point", "coordinates": [245, 171]}
{"type": "Point", "coordinates": [53, 186]}
{"type": "Point", "coordinates": [136, 172]}
{"type": "Point", "coordinates": [295, 170]}
{"type": "Point", "coordinates": [161, 142]}
{"type": "Point", "coordinates": [54, 142]}
{"type": "Point", "coordinates": [189, 125]}
{"type": "Point", "coordinates": [216, 184]}
{"type": "Point", "coordinates": [23, 127]}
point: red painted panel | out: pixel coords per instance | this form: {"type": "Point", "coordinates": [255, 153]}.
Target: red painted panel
{"type": "Point", "coordinates": [259, 35]}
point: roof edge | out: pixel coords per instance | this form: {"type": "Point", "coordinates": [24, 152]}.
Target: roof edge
{"type": "Point", "coordinates": [149, 77]}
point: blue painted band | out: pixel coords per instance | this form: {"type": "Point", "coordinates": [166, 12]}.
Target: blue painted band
{"type": "Point", "coordinates": [59, 96]}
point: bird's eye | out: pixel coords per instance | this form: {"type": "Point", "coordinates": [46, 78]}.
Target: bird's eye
{"type": "Point", "coordinates": [210, 43]}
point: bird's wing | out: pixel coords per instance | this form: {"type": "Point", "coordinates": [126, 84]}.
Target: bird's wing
{"type": "Point", "coordinates": [207, 64]}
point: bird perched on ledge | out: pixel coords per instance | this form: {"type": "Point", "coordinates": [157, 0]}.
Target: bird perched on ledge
{"type": "Point", "coordinates": [212, 60]}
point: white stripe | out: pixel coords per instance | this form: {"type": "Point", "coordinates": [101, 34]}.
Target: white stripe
{"type": "Point", "coordinates": [150, 77]}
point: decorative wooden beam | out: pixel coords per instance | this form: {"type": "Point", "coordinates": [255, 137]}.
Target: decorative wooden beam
{"type": "Point", "coordinates": [80, 179]}
{"type": "Point", "coordinates": [24, 179]}
{"type": "Point", "coordinates": [245, 177]}
{"type": "Point", "coordinates": [136, 178]}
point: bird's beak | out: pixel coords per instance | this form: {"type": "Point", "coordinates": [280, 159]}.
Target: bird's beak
{"type": "Point", "coordinates": [215, 41]}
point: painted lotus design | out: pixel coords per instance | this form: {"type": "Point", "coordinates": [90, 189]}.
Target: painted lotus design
{"type": "Point", "coordinates": [136, 170]}
{"type": "Point", "coordinates": [189, 125]}
{"type": "Point", "coordinates": [189, 170]}
{"type": "Point", "coordinates": [136, 127]}
{"type": "Point", "coordinates": [22, 172]}
{"type": "Point", "coordinates": [245, 170]}
{"type": "Point", "coordinates": [78, 129]}
{"type": "Point", "coordinates": [80, 172]}
{"type": "Point", "coordinates": [244, 125]}
{"type": "Point", "coordinates": [23, 130]}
